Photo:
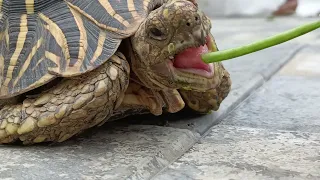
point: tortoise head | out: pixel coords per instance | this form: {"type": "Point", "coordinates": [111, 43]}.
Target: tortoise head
{"type": "Point", "coordinates": [168, 45]}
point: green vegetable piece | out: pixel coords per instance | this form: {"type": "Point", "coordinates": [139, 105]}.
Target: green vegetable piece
{"type": "Point", "coordinates": [260, 45]}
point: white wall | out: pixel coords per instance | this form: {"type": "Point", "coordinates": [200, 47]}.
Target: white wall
{"type": "Point", "coordinates": [239, 7]}
{"type": "Point", "coordinates": [218, 8]}
{"type": "Point", "coordinates": [308, 8]}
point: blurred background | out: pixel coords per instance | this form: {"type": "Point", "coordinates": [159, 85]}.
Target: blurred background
{"type": "Point", "coordinates": [260, 8]}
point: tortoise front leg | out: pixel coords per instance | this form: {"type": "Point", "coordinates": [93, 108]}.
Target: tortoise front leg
{"type": "Point", "coordinates": [139, 99]}
{"type": "Point", "coordinates": [204, 102]}
{"type": "Point", "coordinates": [72, 106]}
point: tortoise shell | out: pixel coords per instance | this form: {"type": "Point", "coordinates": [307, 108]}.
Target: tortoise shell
{"type": "Point", "coordinates": [44, 39]}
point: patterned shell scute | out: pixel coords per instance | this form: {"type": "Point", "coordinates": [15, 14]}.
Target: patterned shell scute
{"type": "Point", "coordinates": [43, 39]}
{"type": "Point", "coordinates": [119, 16]}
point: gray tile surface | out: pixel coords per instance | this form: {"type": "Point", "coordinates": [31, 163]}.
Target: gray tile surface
{"type": "Point", "coordinates": [118, 153]}
{"type": "Point", "coordinates": [287, 103]}
{"type": "Point", "coordinates": [231, 152]}
{"type": "Point", "coordinates": [290, 101]}
{"type": "Point", "coordinates": [274, 134]}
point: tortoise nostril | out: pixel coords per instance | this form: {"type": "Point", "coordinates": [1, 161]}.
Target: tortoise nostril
{"type": "Point", "coordinates": [196, 18]}
{"type": "Point", "coordinates": [188, 24]}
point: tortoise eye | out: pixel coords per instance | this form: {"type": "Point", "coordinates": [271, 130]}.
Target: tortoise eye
{"type": "Point", "coordinates": [157, 34]}
{"type": "Point", "coordinates": [157, 6]}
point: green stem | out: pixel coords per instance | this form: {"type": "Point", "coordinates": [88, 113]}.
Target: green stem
{"type": "Point", "coordinates": [259, 45]}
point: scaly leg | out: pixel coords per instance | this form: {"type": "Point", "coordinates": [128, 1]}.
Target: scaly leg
{"type": "Point", "coordinates": [72, 106]}
{"type": "Point", "coordinates": [139, 99]}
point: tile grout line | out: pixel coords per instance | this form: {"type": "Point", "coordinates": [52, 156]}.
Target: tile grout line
{"type": "Point", "coordinates": [234, 106]}
{"type": "Point", "coordinates": [287, 59]}
{"type": "Point", "coordinates": [264, 81]}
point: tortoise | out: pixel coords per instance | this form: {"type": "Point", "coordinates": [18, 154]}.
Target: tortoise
{"type": "Point", "coordinates": [70, 65]}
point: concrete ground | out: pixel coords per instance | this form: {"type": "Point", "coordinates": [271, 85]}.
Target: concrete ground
{"type": "Point", "coordinates": [274, 134]}
{"type": "Point", "coordinates": [265, 129]}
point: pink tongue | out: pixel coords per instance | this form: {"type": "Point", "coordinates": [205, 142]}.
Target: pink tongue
{"type": "Point", "coordinates": [191, 59]}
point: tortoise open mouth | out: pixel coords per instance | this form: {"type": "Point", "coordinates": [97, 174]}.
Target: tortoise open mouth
{"type": "Point", "coordinates": [189, 60]}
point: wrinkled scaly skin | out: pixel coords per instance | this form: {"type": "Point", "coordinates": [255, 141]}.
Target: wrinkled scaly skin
{"type": "Point", "coordinates": [67, 109]}
{"type": "Point", "coordinates": [210, 100]}
{"type": "Point", "coordinates": [182, 26]}
{"type": "Point", "coordinates": [104, 94]}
